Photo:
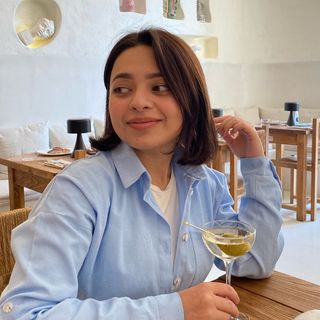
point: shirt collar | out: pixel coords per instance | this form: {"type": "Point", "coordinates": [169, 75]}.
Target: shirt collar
{"type": "Point", "coordinates": [196, 172]}
{"type": "Point", "coordinates": [124, 157]}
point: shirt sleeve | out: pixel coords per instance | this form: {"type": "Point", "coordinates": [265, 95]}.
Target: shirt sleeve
{"type": "Point", "coordinates": [50, 249]}
{"type": "Point", "coordinates": [260, 206]}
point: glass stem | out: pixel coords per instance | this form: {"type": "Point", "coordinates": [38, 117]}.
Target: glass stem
{"type": "Point", "coordinates": [228, 266]}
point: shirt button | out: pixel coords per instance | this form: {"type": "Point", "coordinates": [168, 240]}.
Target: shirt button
{"type": "Point", "coordinates": [7, 307]}
{"type": "Point", "coordinates": [185, 236]}
{"type": "Point", "coordinates": [177, 282]}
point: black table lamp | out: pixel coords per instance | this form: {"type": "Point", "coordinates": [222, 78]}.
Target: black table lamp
{"type": "Point", "coordinates": [78, 126]}
{"type": "Point", "coordinates": [293, 107]}
{"type": "Point", "coordinates": [217, 112]}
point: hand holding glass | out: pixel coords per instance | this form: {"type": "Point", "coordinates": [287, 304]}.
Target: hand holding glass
{"type": "Point", "coordinates": [228, 240]}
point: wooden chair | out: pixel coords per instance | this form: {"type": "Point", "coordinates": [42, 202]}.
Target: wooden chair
{"type": "Point", "coordinates": [312, 167]}
{"type": "Point", "coordinates": [8, 221]}
{"type": "Point", "coordinates": [263, 133]}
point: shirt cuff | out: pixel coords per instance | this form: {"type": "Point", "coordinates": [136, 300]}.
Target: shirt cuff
{"type": "Point", "coordinates": [170, 306]}
{"type": "Point", "coordinates": [261, 166]}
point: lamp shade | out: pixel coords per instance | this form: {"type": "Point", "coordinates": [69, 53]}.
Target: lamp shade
{"type": "Point", "coordinates": [78, 126]}
{"type": "Point", "coordinates": [291, 106]}
{"type": "Point", "coordinates": [293, 118]}
{"type": "Point", "coordinates": [217, 112]}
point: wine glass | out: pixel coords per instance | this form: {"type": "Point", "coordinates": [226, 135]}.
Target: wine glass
{"type": "Point", "coordinates": [228, 240]}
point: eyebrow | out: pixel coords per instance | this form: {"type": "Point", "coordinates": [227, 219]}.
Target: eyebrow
{"type": "Point", "coordinates": [125, 75]}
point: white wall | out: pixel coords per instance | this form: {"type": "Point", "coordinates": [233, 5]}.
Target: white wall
{"type": "Point", "coordinates": [272, 84]}
{"type": "Point", "coordinates": [269, 52]}
{"type": "Point", "coordinates": [274, 50]}
{"type": "Point", "coordinates": [267, 31]}
{"type": "Point", "coordinates": [65, 78]}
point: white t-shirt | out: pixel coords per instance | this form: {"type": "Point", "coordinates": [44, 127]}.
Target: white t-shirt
{"type": "Point", "coordinates": [167, 200]}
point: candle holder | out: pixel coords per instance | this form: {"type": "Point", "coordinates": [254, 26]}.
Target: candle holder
{"type": "Point", "coordinates": [78, 126]}
{"type": "Point", "coordinates": [293, 107]}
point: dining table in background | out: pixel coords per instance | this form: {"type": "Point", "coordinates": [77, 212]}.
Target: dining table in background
{"type": "Point", "coordinates": [279, 297]}
{"type": "Point", "coordinates": [28, 171]}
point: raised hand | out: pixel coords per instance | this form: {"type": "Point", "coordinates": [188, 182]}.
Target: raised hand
{"type": "Point", "coordinates": [240, 135]}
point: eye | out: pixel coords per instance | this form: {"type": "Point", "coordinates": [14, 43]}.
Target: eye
{"type": "Point", "coordinates": [160, 88]}
{"type": "Point", "coordinates": [120, 90]}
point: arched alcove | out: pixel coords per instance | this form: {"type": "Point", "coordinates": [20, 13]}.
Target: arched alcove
{"type": "Point", "coordinates": [33, 17]}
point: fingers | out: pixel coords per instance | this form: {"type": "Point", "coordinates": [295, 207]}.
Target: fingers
{"type": "Point", "coordinates": [232, 126]}
{"type": "Point", "coordinates": [240, 136]}
{"type": "Point", "coordinates": [225, 291]}
{"type": "Point", "coordinates": [210, 300]}
{"type": "Point", "coordinates": [225, 308]}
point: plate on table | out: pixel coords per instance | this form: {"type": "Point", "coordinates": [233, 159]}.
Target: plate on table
{"type": "Point", "coordinates": [54, 152]}
{"type": "Point", "coordinates": [304, 125]}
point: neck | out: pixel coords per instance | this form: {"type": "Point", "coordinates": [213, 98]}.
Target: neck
{"type": "Point", "coordinates": [158, 166]}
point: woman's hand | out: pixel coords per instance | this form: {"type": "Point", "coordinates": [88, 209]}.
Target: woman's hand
{"type": "Point", "coordinates": [240, 136]}
{"type": "Point", "coordinates": [209, 300]}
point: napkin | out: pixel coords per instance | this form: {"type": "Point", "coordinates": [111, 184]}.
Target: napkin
{"type": "Point", "coordinates": [57, 163]}
{"type": "Point", "coordinates": [309, 315]}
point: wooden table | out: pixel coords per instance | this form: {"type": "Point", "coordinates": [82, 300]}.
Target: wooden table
{"type": "Point", "coordinates": [280, 297]}
{"type": "Point", "coordinates": [28, 171]}
{"type": "Point", "coordinates": [281, 135]}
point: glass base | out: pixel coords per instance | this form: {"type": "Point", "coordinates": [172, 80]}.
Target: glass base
{"type": "Point", "coordinates": [241, 316]}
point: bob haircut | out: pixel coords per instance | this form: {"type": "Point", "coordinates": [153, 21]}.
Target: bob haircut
{"type": "Point", "coordinates": [184, 77]}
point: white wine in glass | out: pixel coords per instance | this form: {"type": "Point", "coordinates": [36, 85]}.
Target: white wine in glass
{"type": "Point", "coordinates": [228, 240]}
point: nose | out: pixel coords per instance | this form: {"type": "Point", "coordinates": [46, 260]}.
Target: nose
{"type": "Point", "coordinates": [141, 101]}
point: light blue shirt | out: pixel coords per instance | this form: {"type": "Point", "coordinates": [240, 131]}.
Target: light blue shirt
{"type": "Point", "coordinates": [96, 245]}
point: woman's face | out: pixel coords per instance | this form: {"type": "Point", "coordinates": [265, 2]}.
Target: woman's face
{"type": "Point", "coordinates": [143, 111]}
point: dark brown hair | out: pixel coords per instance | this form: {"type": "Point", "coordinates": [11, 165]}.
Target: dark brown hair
{"type": "Point", "coordinates": [183, 75]}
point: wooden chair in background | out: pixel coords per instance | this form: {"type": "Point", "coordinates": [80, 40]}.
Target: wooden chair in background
{"type": "Point", "coordinates": [8, 221]}
{"type": "Point", "coordinates": [263, 133]}
{"type": "Point", "coordinates": [312, 167]}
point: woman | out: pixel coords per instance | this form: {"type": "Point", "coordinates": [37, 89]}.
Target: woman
{"type": "Point", "coordinates": [107, 239]}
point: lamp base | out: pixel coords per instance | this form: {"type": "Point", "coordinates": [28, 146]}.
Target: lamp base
{"type": "Point", "coordinates": [293, 119]}
{"type": "Point", "coordinates": [79, 144]}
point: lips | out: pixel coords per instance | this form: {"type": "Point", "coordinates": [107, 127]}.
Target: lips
{"type": "Point", "coordinates": [143, 123]}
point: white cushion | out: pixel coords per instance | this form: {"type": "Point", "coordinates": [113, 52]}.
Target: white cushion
{"type": "Point", "coordinates": [306, 115]}
{"type": "Point", "coordinates": [98, 127]}
{"type": "Point", "coordinates": [18, 140]}
{"type": "Point", "coordinates": [9, 144]}
{"type": "Point", "coordinates": [273, 113]}
{"type": "Point", "coordinates": [250, 114]}
{"type": "Point", "coordinates": [59, 137]}
{"type": "Point", "coordinates": [34, 137]}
